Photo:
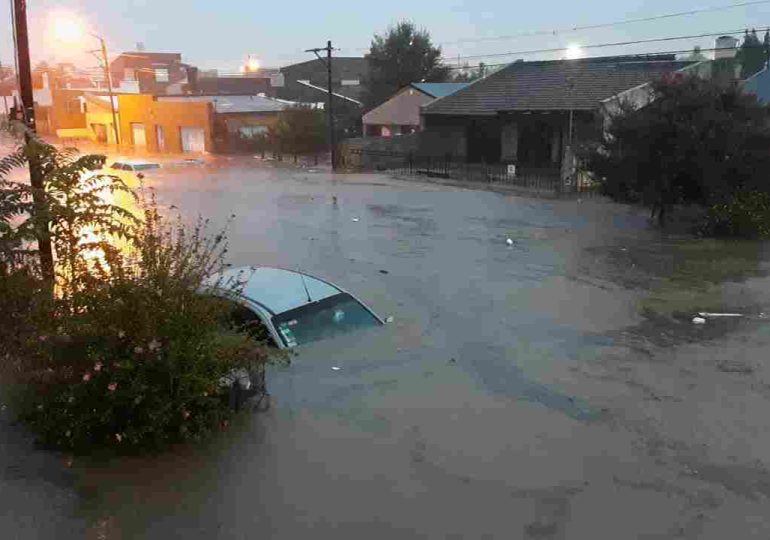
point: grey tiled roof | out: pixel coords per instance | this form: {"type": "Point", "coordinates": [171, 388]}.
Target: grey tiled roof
{"type": "Point", "coordinates": [551, 85]}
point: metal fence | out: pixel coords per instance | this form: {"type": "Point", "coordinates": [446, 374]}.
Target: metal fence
{"type": "Point", "coordinates": [546, 180]}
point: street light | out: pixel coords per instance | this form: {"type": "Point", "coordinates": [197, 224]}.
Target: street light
{"type": "Point", "coordinates": [69, 29]}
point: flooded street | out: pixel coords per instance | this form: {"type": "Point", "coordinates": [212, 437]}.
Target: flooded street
{"type": "Point", "coordinates": [552, 388]}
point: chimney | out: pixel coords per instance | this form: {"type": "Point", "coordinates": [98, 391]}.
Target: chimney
{"type": "Point", "coordinates": [192, 79]}
{"type": "Point", "coordinates": [725, 47]}
{"type": "Point", "coordinates": [140, 47]}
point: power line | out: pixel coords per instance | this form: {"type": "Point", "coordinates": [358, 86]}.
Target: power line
{"type": "Point", "coordinates": [563, 30]}
{"type": "Point", "coordinates": [598, 45]}
{"type": "Point", "coordinates": [641, 56]}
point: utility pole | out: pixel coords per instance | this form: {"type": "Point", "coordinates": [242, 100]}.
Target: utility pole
{"type": "Point", "coordinates": [330, 105]}
{"type": "Point", "coordinates": [108, 78]}
{"type": "Point", "coordinates": [42, 232]}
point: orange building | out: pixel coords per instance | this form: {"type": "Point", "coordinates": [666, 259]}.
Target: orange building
{"type": "Point", "coordinates": [152, 125]}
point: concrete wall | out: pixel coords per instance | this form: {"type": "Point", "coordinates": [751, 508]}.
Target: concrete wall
{"type": "Point", "coordinates": [171, 115]}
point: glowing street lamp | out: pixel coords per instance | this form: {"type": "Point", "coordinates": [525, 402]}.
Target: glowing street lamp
{"type": "Point", "coordinates": [68, 28]}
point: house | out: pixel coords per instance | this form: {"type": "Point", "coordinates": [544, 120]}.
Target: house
{"type": "Point", "coordinates": [151, 124]}
{"type": "Point", "coordinates": [532, 114]}
{"type": "Point", "coordinates": [301, 81]}
{"type": "Point", "coordinates": [400, 115]}
{"type": "Point", "coordinates": [156, 73]}
{"type": "Point", "coordinates": [235, 118]}
{"type": "Point", "coordinates": [759, 85]}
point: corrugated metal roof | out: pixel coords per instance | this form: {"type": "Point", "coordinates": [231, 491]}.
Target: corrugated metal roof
{"type": "Point", "coordinates": [551, 85]}
{"type": "Point", "coordinates": [235, 104]}
{"type": "Point", "coordinates": [439, 90]}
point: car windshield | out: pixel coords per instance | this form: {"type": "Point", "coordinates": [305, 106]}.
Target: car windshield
{"type": "Point", "coordinates": [117, 166]}
{"type": "Point", "coordinates": [145, 166]}
{"type": "Point", "coordinates": [327, 318]}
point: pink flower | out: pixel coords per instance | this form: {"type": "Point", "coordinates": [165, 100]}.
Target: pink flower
{"type": "Point", "coordinates": [42, 338]}
{"type": "Point", "coordinates": [118, 437]}
{"type": "Point", "coordinates": [98, 366]}
{"type": "Point", "coordinates": [112, 386]}
{"type": "Point", "coordinates": [86, 376]}
{"type": "Point", "coordinates": [186, 414]}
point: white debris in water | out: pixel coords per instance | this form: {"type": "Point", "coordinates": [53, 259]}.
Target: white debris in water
{"type": "Point", "coordinates": [335, 368]}
{"type": "Point", "coordinates": [715, 315]}
{"type": "Point", "coordinates": [509, 241]}
{"type": "Point", "coordinates": [389, 319]}
{"type": "Point", "coordinates": [699, 320]}
{"type": "Point", "coordinates": [355, 220]}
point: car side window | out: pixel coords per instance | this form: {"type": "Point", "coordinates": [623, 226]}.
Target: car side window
{"type": "Point", "coordinates": [243, 318]}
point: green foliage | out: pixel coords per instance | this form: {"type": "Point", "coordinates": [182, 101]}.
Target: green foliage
{"type": "Point", "coordinates": [753, 54]}
{"type": "Point", "coordinates": [745, 215]}
{"type": "Point", "coordinates": [403, 56]}
{"type": "Point", "coordinates": [77, 207]}
{"type": "Point", "coordinates": [128, 353]}
{"type": "Point", "coordinates": [137, 354]}
{"type": "Point", "coordinates": [300, 130]}
{"type": "Point", "coordinates": [696, 142]}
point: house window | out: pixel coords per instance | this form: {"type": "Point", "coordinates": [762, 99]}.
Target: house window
{"type": "Point", "coordinates": [129, 74]}
{"type": "Point", "coordinates": [250, 132]}
{"type": "Point", "coordinates": [161, 75]}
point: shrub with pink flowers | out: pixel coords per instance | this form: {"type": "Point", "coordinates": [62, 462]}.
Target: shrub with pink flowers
{"type": "Point", "coordinates": [126, 353]}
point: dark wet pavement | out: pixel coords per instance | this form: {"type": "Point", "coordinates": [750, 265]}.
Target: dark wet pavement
{"type": "Point", "coordinates": [555, 388]}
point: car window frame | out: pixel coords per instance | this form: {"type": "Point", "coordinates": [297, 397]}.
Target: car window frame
{"type": "Point", "coordinates": [278, 318]}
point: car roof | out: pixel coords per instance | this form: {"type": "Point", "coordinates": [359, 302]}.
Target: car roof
{"type": "Point", "coordinates": [135, 162]}
{"type": "Point", "coordinates": [275, 289]}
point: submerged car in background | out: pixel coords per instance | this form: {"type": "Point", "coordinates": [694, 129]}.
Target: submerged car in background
{"type": "Point", "coordinates": [286, 309]}
{"type": "Point", "coordinates": [134, 165]}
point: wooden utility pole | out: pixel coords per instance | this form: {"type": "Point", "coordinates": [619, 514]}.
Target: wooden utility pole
{"type": "Point", "coordinates": [28, 115]}
{"type": "Point", "coordinates": [108, 78]}
{"type": "Point", "coordinates": [330, 104]}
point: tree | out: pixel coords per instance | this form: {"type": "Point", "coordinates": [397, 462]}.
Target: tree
{"type": "Point", "coordinates": [468, 74]}
{"type": "Point", "coordinates": [403, 56]}
{"type": "Point", "coordinates": [696, 142]}
{"type": "Point", "coordinates": [696, 55]}
{"type": "Point", "coordinates": [752, 55]}
{"type": "Point", "coordinates": [300, 130]}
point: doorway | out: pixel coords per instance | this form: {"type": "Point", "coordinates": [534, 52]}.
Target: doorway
{"type": "Point", "coordinates": [139, 135]}
{"type": "Point", "coordinates": [193, 139]}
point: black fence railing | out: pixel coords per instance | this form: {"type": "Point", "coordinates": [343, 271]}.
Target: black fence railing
{"type": "Point", "coordinates": [535, 179]}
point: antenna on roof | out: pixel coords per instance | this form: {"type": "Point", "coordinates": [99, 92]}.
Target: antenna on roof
{"type": "Point", "coordinates": [307, 292]}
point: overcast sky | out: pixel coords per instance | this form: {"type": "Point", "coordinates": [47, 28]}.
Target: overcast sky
{"type": "Point", "coordinates": [221, 33]}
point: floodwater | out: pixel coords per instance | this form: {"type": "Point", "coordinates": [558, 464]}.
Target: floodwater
{"type": "Point", "coordinates": [552, 388]}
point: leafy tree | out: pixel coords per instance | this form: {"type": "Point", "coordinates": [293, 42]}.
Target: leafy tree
{"type": "Point", "coordinates": [403, 56]}
{"type": "Point", "coordinates": [300, 130]}
{"type": "Point", "coordinates": [752, 55]}
{"type": "Point", "coordinates": [696, 142]}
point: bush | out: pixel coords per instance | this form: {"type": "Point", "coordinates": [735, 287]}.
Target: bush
{"type": "Point", "coordinates": [695, 142]}
{"type": "Point", "coordinates": [137, 355]}
{"type": "Point", "coordinates": [745, 215]}
{"type": "Point", "coordinates": [126, 353]}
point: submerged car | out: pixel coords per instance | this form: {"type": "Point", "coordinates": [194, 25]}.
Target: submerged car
{"type": "Point", "coordinates": [286, 309]}
{"type": "Point", "coordinates": [134, 165]}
